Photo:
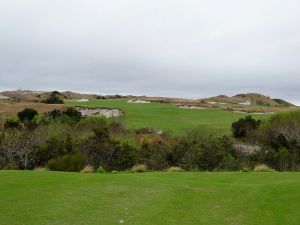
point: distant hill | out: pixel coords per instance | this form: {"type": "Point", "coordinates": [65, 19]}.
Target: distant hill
{"type": "Point", "coordinates": [39, 96]}
{"type": "Point", "coordinates": [284, 103]}
{"type": "Point", "coordinates": [220, 101]}
{"type": "Point", "coordinates": [249, 99]}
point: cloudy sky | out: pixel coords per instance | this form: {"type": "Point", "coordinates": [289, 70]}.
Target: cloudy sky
{"type": "Point", "coordinates": [187, 48]}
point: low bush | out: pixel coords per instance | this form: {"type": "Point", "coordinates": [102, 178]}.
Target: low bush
{"type": "Point", "coordinates": [262, 168]}
{"type": "Point", "coordinates": [27, 115]}
{"type": "Point", "coordinates": [139, 168]}
{"type": "Point", "coordinates": [10, 166]}
{"type": "Point", "coordinates": [70, 163]}
{"type": "Point", "coordinates": [87, 169]}
{"type": "Point", "coordinates": [114, 171]}
{"type": "Point", "coordinates": [54, 98]}
{"type": "Point", "coordinates": [100, 169]}
{"type": "Point", "coordinates": [246, 169]}
{"type": "Point", "coordinates": [12, 123]}
{"type": "Point", "coordinates": [175, 169]}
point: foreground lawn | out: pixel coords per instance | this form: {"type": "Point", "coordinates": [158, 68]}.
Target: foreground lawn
{"type": "Point", "coordinates": [168, 117]}
{"type": "Point", "coordinates": [31, 197]}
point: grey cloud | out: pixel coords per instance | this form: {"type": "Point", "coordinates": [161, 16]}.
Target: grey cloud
{"type": "Point", "coordinates": [175, 48]}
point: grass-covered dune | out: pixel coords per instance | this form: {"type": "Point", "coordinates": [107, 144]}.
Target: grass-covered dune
{"type": "Point", "coordinates": [39, 197]}
{"type": "Point", "coordinates": [168, 117]}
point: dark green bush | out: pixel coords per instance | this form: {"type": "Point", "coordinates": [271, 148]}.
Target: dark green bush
{"type": "Point", "coordinates": [73, 114]}
{"type": "Point", "coordinates": [54, 98]}
{"type": "Point", "coordinates": [27, 115]}
{"type": "Point", "coordinates": [100, 169]}
{"type": "Point", "coordinates": [72, 163]}
{"type": "Point", "coordinates": [12, 123]}
{"type": "Point", "coordinates": [54, 114]}
{"type": "Point", "coordinates": [244, 126]}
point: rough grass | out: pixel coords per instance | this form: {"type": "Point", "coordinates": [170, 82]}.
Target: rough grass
{"type": "Point", "coordinates": [193, 198]}
{"type": "Point", "coordinates": [87, 169]}
{"type": "Point", "coordinates": [140, 168]}
{"type": "Point", "coordinates": [175, 169]}
{"type": "Point", "coordinates": [262, 168]}
{"type": "Point", "coordinates": [168, 117]}
{"type": "Point", "coordinates": [12, 109]}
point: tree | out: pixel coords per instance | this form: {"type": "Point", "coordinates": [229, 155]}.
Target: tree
{"type": "Point", "coordinates": [244, 126]}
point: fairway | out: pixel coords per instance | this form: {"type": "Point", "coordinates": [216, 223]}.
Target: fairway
{"type": "Point", "coordinates": [168, 117]}
{"type": "Point", "coordinates": [37, 197]}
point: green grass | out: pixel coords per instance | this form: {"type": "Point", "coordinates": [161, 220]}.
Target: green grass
{"type": "Point", "coordinates": [58, 198]}
{"type": "Point", "coordinates": [168, 117]}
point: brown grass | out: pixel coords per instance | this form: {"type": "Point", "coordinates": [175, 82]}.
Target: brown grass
{"type": "Point", "coordinates": [11, 109]}
{"type": "Point", "coordinates": [87, 169]}
{"type": "Point", "coordinates": [262, 168]}
{"type": "Point", "coordinates": [175, 169]}
{"type": "Point", "coordinates": [139, 168]}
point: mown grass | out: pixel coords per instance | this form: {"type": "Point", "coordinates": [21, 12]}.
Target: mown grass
{"type": "Point", "coordinates": [168, 117]}
{"type": "Point", "coordinates": [59, 198]}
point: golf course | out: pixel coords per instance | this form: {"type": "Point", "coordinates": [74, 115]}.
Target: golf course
{"type": "Point", "coordinates": [42, 197]}
{"type": "Point", "coordinates": [168, 117]}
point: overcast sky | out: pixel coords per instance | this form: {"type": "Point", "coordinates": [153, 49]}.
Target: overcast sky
{"type": "Point", "coordinates": [185, 48]}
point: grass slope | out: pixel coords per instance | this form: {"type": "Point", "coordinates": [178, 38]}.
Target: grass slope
{"type": "Point", "coordinates": [169, 117]}
{"type": "Point", "coordinates": [194, 198]}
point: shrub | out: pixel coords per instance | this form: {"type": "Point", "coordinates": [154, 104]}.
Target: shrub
{"type": "Point", "coordinates": [203, 151]}
{"type": "Point", "coordinates": [54, 98]}
{"type": "Point", "coordinates": [139, 168]}
{"type": "Point", "coordinates": [246, 169]}
{"type": "Point", "coordinates": [114, 171]}
{"type": "Point", "coordinates": [56, 113]}
{"type": "Point", "coordinates": [53, 148]}
{"type": "Point", "coordinates": [10, 166]}
{"type": "Point", "coordinates": [73, 113]}
{"type": "Point", "coordinates": [27, 115]}
{"type": "Point", "coordinates": [87, 169]}
{"type": "Point", "coordinates": [100, 169]}
{"type": "Point", "coordinates": [12, 123]}
{"type": "Point", "coordinates": [244, 126]}
{"type": "Point", "coordinates": [70, 163]}
{"type": "Point", "coordinates": [262, 168]}
{"type": "Point", "coordinates": [175, 169]}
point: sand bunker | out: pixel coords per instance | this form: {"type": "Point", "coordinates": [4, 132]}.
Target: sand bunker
{"type": "Point", "coordinates": [189, 107]}
{"type": "Point", "coordinates": [2, 97]}
{"type": "Point", "coordinates": [255, 113]}
{"type": "Point", "coordinates": [101, 112]}
{"type": "Point", "coordinates": [138, 101]}
{"type": "Point", "coordinates": [245, 103]}
{"type": "Point", "coordinates": [82, 100]}
{"type": "Point", "coordinates": [220, 103]}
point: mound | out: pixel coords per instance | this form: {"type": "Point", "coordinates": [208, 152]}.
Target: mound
{"type": "Point", "coordinates": [284, 103]}
{"type": "Point", "coordinates": [39, 96]}
{"type": "Point", "coordinates": [257, 99]}
{"type": "Point", "coordinates": [247, 99]}
{"type": "Point", "coordinates": [224, 99]}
